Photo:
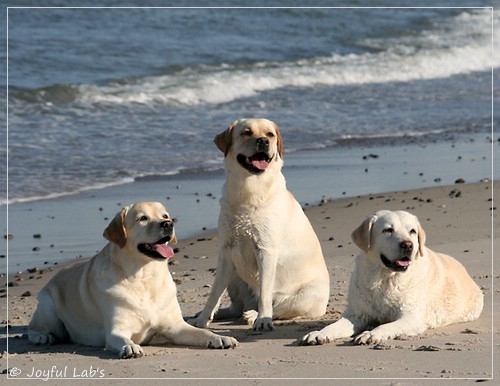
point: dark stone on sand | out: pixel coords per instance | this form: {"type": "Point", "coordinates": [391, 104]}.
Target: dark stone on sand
{"type": "Point", "coordinates": [12, 284]}
{"type": "Point", "coordinates": [455, 193]}
{"type": "Point", "coordinates": [428, 348]}
{"type": "Point", "coordinates": [460, 181]}
{"type": "Point", "coordinates": [26, 294]}
{"type": "Point", "coordinates": [32, 270]}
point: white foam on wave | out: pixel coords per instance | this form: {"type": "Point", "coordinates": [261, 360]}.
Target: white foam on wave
{"type": "Point", "coordinates": [210, 166]}
{"type": "Point", "coordinates": [82, 189]}
{"type": "Point", "coordinates": [463, 45]}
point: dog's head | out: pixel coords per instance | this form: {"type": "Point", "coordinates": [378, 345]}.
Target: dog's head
{"type": "Point", "coordinates": [253, 143]}
{"type": "Point", "coordinates": [393, 239]}
{"type": "Point", "coordinates": [145, 227]}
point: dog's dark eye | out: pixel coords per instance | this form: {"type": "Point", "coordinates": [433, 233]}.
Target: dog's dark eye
{"type": "Point", "coordinates": [246, 132]}
{"type": "Point", "coordinates": [143, 218]}
{"type": "Point", "coordinates": [165, 216]}
{"type": "Point", "coordinates": [388, 231]}
{"type": "Point", "coordinates": [270, 135]}
{"type": "Point", "coordinates": [413, 232]}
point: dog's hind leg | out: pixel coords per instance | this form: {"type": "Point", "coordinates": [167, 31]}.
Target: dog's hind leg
{"type": "Point", "coordinates": [308, 302]}
{"type": "Point", "coordinates": [45, 326]}
{"type": "Point", "coordinates": [242, 300]}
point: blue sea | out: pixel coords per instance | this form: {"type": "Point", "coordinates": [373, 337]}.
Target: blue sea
{"type": "Point", "coordinates": [104, 96]}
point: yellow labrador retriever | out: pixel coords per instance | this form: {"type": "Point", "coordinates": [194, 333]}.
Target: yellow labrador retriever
{"type": "Point", "coordinates": [270, 259]}
{"type": "Point", "coordinates": [122, 296]}
{"type": "Point", "coordinates": [400, 285]}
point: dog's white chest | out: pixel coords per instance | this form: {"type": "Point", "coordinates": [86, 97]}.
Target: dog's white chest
{"type": "Point", "coordinates": [243, 236]}
{"type": "Point", "coordinates": [242, 227]}
{"type": "Point", "coordinates": [246, 224]}
{"type": "Point", "coordinates": [382, 300]}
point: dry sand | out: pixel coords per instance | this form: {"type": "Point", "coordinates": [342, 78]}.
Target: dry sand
{"type": "Point", "coordinates": [457, 220]}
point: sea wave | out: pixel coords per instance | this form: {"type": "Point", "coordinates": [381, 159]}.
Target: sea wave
{"type": "Point", "coordinates": [462, 45]}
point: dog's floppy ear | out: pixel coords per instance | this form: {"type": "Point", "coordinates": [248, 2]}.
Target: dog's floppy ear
{"type": "Point", "coordinates": [116, 232]}
{"type": "Point", "coordinates": [280, 141]}
{"type": "Point", "coordinates": [362, 234]}
{"type": "Point", "coordinates": [421, 239]}
{"type": "Point", "coordinates": [225, 139]}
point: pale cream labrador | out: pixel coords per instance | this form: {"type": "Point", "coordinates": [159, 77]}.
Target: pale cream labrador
{"type": "Point", "coordinates": [399, 286]}
{"type": "Point", "coordinates": [124, 295]}
{"type": "Point", "coordinates": [270, 259]}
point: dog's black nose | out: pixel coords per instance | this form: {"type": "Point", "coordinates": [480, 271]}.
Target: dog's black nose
{"type": "Point", "coordinates": [406, 245]}
{"type": "Point", "coordinates": [262, 144]}
{"type": "Point", "coordinates": [167, 225]}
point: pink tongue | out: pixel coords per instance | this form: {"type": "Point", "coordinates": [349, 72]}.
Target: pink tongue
{"type": "Point", "coordinates": [402, 263]}
{"type": "Point", "coordinates": [260, 164]}
{"type": "Point", "coordinates": [164, 249]}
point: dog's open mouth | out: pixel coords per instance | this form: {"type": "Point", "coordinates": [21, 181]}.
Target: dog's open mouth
{"type": "Point", "coordinates": [399, 265]}
{"type": "Point", "coordinates": [159, 250]}
{"type": "Point", "coordinates": [255, 164]}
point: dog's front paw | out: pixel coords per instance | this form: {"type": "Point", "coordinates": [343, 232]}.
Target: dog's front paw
{"type": "Point", "coordinates": [222, 342]}
{"type": "Point", "coordinates": [131, 351]}
{"type": "Point", "coordinates": [263, 324]}
{"type": "Point", "coordinates": [367, 337]}
{"type": "Point", "coordinates": [314, 338]}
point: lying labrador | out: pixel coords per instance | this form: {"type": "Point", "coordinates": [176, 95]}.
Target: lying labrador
{"type": "Point", "coordinates": [122, 296]}
{"type": "Point", "coordinates": [400, 285]}
{"type": "Point", "coordinates": [270, 259]}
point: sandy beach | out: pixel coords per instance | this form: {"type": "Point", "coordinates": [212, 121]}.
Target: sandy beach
{"type": "Point", "coordinates": [458, 221]}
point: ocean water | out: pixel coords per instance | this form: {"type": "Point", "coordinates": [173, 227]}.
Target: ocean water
{"type": "Point", "coordinates": [102, 97]}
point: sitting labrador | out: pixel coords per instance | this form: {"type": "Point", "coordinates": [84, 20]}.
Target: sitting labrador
{"type": "Point", "coordinates": [270, 259]}
{"type": "Point", "coordinates": [400, 286]}
{"type": "Point", "coordinates": [122, 296]}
